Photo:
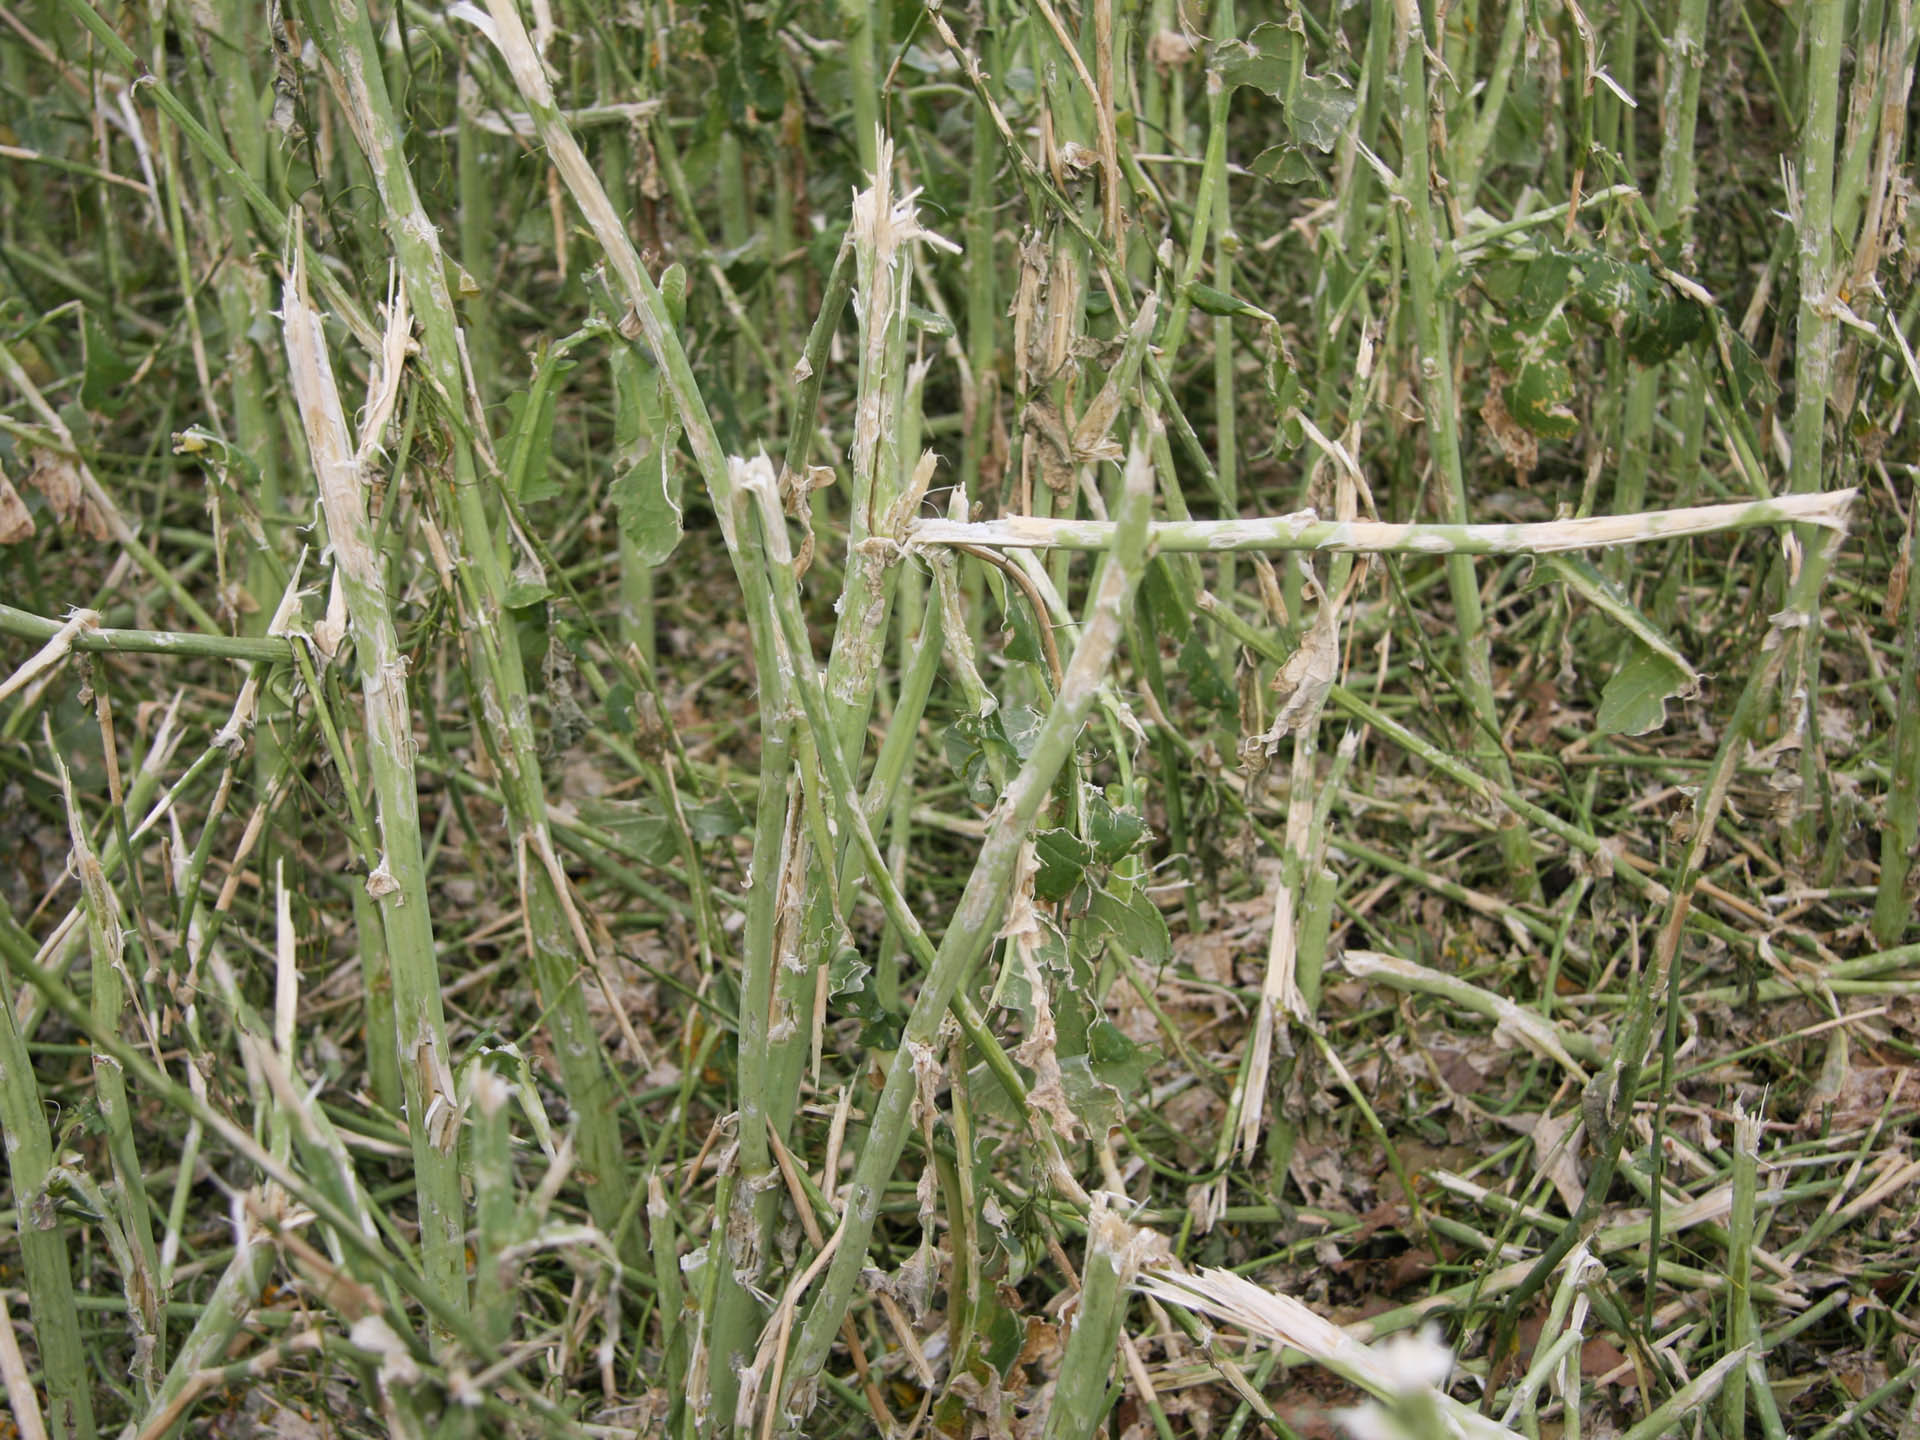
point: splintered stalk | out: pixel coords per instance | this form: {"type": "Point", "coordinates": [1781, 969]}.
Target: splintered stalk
{"type": "Point", "coordinates": [982, 306]}
{"type": "Point", "coordinates": [1115, 1253]}
{"type": "Point", "coordinates": [733, 1313]}
{"type": "Point", "coordinates": [224, 1311]}
{"type": "Point", "coordinates": [1558, 1345]}
{"type": "Point", "coordinates": [556, 937]}
{"type": "Point", "coordinates": [774, 1047]}
{"type": "Point", "coordinates": [779, 1002]}
{"type": "Point", "coordinates": [1226, 359]}
{"type": "Point", "coordinates": [1817, 326]}
{"type": "Point", "coordinates": [884, 231]}
{"type": "Point", "coordinates": [399, 883]}
{"type": "Point", "coordinates": [971, 932]}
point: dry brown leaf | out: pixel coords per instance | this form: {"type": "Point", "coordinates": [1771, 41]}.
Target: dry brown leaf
{"type": "Point", "coordinates": [59, 479]}
{"type": "Point", "coordinates": [15, 523]}
{"type": "Point", "coordinates": [1303, 682]}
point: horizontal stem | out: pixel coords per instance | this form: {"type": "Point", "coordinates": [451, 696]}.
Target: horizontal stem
{"type": "Point", "coordinates": [268, 649]}
{"type": "Point", "coordinates": [1306, 531]}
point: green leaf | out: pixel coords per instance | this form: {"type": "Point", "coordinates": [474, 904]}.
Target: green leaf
{"type": "Point", "coordinates": [1093, 1102]}
{"type": "Point", "coordinates": [1635, 302]}
{"type": "Point", "coordinates": [1273, 59]}
{"type": "Point", "coordinates": [1166, 600]}
{"type": "Point", "coordinates": [1268, 59]}
{"type": "Point", "coordinates": [1204, 680]}
{"type": "Point", "coordinates": [717, 819]}
{"type": "Point", "coordinates": [1745, 373]}
{"type": "Point", "coordinates": [646, 502]}
{"type": "Point", "coordinates": [1635, 700]}
{"type": "Point", "coordinates": [1538, 396]}
{"type": "Point", "coordinates": [1000, 1336]}
{"type": "Point", "coordinates": [1545, 285]}
{"type": "Point", "coordinates": [1630, 299]}
{"type": "Point", "coordinates": [974, 745]}
{"type": "Point", "coordinates": [1285, 165]}
{"type": "Point", "coordinates": [1014, 990]}
{"type": "Point", "coordinates": [620, 708]}
{"type": "Point", "coordinates": [1023, 642]}
{"type": "Point", "coordinates": [742, 39]}
{"type": "Point", "coordinates": [1318, 111]}
{"type": "Point", "coordinates": [1209, 301]}
{"type": "Point", "coordinates": [1097, 1074]}
{"type": "Point", "coordinates": [929, 322]}
{"type": "Point", "coordinates": [639, 824]}
{"type": "Point", "coordinates": [526, 586]}
{"type": "Point", "coordinates": [1127, 917]}
{"type": "Point", "coordinates": [1283, 389]}
{"type": "Point", "coordinates": [1021, 725]}
{"type": "Point", "coordinates": [107, 369]}
{"type": "Point", "coordinates": [529, 442]}
{"type": "Point", "coordinates": [847, 972]}
{"type": "Point", "coordinates": [640, 410]}
{"type": "Point", "coordinates": [1114, 833]}
{"type": "Point", "coordinates": [1518, 132]}
{"type": "Point", "coordinates": [673, 290]}
{"type": "Point", "coordinates": [1117, 1061]}
{"type": "Point", "coordinates": [644, 826]}
{"type": "Point", "coordinates": [646, 482]}
{"type": "Point", "coordinates": [1583, 577]}
{"type": "Point", "coordinates": [1063, 858]}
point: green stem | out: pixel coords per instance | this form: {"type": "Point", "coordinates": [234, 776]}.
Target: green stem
{"type": "Point", "coordinates": [263, 649]}
{"type": "Point", "coordinates": [968, 936]}
{"type": "Point", "coordinates": [1893, 907]}
{"type": "Point", "coordinates": [43, 1249]}
{"type": "Point", "coordinates": [1816, 349]}
{"type": "Point", "coordinates": [1080, 1399]}
{"type": "Point", "coordinates": [1432, 317]}
{"type": "Point", "coordinates": [399, 884]}
{"type": "Point", "coordinates": [556, 936]}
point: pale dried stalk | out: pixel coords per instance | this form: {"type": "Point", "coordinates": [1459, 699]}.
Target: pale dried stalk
{"type": "Point", "coordinates": [19, 1381]}
{"type": "Point", "coordinates": [1566, 1319]}
{"type": "Point", "coordinates": [52, 653]}
{"type": "Point", "coordinates": [1304, 530]}
{"type": "Point", "coordinates": [1226, 1296]}
{"type": "Point", "coordinates": [1535, 1032]}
